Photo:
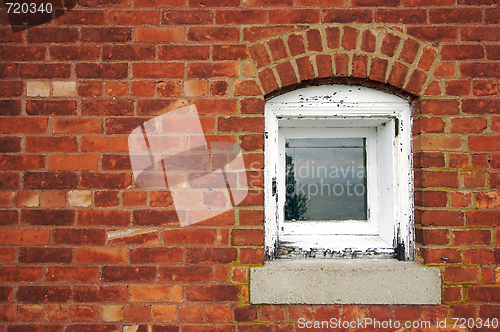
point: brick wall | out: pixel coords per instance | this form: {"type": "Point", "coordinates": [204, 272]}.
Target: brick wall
{"type": "Point", "coordinates": [82, 248]}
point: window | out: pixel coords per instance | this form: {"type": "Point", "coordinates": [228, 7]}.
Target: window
{"type": "Point", "coordinates": [338, 174]}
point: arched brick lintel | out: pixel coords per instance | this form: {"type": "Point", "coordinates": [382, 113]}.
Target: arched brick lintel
{"type": "Point", "coordinates": [373, 55]}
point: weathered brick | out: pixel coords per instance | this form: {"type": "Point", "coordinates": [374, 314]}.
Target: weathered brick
{"type": "Point", "coordinates": [102, 70]}
{"type": "Point", "coordinates": [346, 16]}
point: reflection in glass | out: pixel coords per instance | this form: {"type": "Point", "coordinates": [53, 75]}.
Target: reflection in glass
{"type": "Point", "coordinates": [325, 179]}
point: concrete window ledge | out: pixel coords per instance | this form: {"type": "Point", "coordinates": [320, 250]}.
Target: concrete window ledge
{"type": "Point", "coordinates": [344, 282]}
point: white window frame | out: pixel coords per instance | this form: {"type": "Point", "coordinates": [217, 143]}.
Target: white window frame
{"type": "Point", "coordinates": [343, 111]}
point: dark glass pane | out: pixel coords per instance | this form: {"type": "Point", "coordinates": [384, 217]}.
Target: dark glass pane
{"type": "Point", "coordinates": [325, 179]}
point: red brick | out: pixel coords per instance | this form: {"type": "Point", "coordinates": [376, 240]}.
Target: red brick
{"type": "Point", "coordinates": [479, 256]}
{"type": "Point", "coordinates": [471, 237]}
{"type": "Point", "coordinates": [93, 237]}
{"type": "Point", "coordinates": [160, 34]}
{"type": "Point", "coordinates": [306, 70]}
{"type": "Point", "coordinates": [102, 70]}
{"type": "Point", "coordinates": [229, 52]}
{"type": "Point", "coordinates": [50, 180]}
{"type": "Point", "coordinates": [128, 52]}
{"type": "Point", "coordinates": [67, 53]}
{"type": "Point", "coordinates": [190, 17]}
{"type": "Point", "coordinates": [409, 50]}
{"type": "Point", "coordinates": [240, 17]}
{"type": "Point", "coordinates": [156, 293]}
{"type": "Point", "coordinates": [294, 16]}
{"type": "Point", "coordinates": [39, 107]}
{"type": "Point", "coordinates": [245, 237]}
{"type": "Point", "coordinates": [439, 107]}
{"type": "Point", "coordinates": [436, 255]}
{"type": "Point", "coordinates": [484, 88]}
{"type": "Point", "coordinates": [349, 38]}
{"type": "Point", "coordinates": [435, 236]}
{"type": "Point", "coordinates": [137, 313]}
{"type": "Point", "coordinates": [215, 69]}
{"type": "Point", "coordinates": [445, 70]}
{"type": "Point", "coordinates": [483, 218]}
{"type": "Point", "coordinates": [458, 199]}
{"type": "Point", "coordinates": [22, 53]}
{"type": "Point", "coordinates": [44, 70]}
{"type": "Point", "coordinates": [116, 89]}
{"type": "Point", "coordinates": [452, 294]}
{"type": "Point", "coordinates": [51, 144]}
{"type": "Point", "coordinates": [211, 255]}
{"type": "Point", "coordinates": [156, 255]}
{"type": "Point", "coordinates": [103, 218]}
{"type": "Point", "coordinates": [90, 89]}
{"type": "Point", "coordinates": [212, 293]}
{"type": "Point", "coordinates": [143, 89]}
{"type": "Point", "coordinates": [245, 314]}
{"type": "Point", "coordinates": [314, 40]}
{"type": "Point", "coordinates": [221, 34]}
{"type": "Point", "coordinates": [459, 160]}
{"type": "Point", "coordinates": [44, 294]}
{"type": "Point", "coordinates": [155, 217]}
{"type": "Point", "coordinates": [269, 3]}
{"type": "Point", "coordinates": [82, 17]}
{"type": "Point", "coordinates": [106, 199]}
{"type": "Point", "coordinates": [144, 274]}
{"type": "Point", "coordinates": [473, 180]}
{"type": "Point", "coordinates": [101, 255]}
{"type": "Point", "coordinates": [135, 238]}
{"type": "Point", "coordinates": [286, 74]}
{"type": "Point", "coordinates": [433, 313]}
{"type": "Point", "coordinates": [10, 144]}
{"type": "Point", "coordinates": [7, 255]}
{"type": "Point", "coordinates": [462, 52]}
{"type": "Point", "coordinates": [183, 52]}
{"type": "Point", "coordinates": [105, 181]}
{"type": "Point", "coordinates": [8, 70]}
{"type": "Point", "coordinates": [133, 17]}
{"type": "Point", "coordinates": [11, 88]}
{"type": "Point", "coordinates": [99, 293]}
{"type": "Point", "coordinates": [48, 217]}
{"type": "Point", "coordinates": [71, 162]}
{"type": "Point", "coordinates": [252, 255]}
{"type": "Point", "coordinates": [20, 274]}
{"type": "Point", "coordinates": [84, 313]}
{"type": "Point", "coordinates": [21, 162]}
{"type": "Point", "coordinates": [268, 80]}
{"type": "Point", "coordinates": [160, 3]}
{"type": "Point", "coordinates": [72, 274]}
{"type": "Point", "coordinates": [408, 16]}
{"type": "Point", "coordinates": [442, 218]}
{"type": "Point", "coordinates": [347, 16]}
{"type": "Point", "coordinates": [468, 125]}
{"type": "Point", "coordinates": [45, 255]}
{"type": "Point", "coordinates": [245, 124]}
{"type": "Point", "coordinates": [461, 15]}
{"type": "Point", "coordinates": [248, 88]}
{"type": "Point", "coordinates": [260, 55]}
{"type": "Point", "coordinates": [476, 70]}
{"type": "Point", "coordinates": [398, 74]}
{"type": "Point", "coordinates": [189, 236]}
{"type": "Point", "coordinates": [11, 107]}
{"type": "Point", "coordinates": [106, 35]}
{"type": "Point", "coordinates": [185, 274]}
{"type": "Point", "coordinates": [492, 52]}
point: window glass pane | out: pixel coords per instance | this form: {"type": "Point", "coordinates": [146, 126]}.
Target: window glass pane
{"type": "Point", "coordinates": [325, 179]}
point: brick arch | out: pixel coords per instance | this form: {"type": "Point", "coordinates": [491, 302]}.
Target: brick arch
{"type": "Point", "coordinates": [372, 55]}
